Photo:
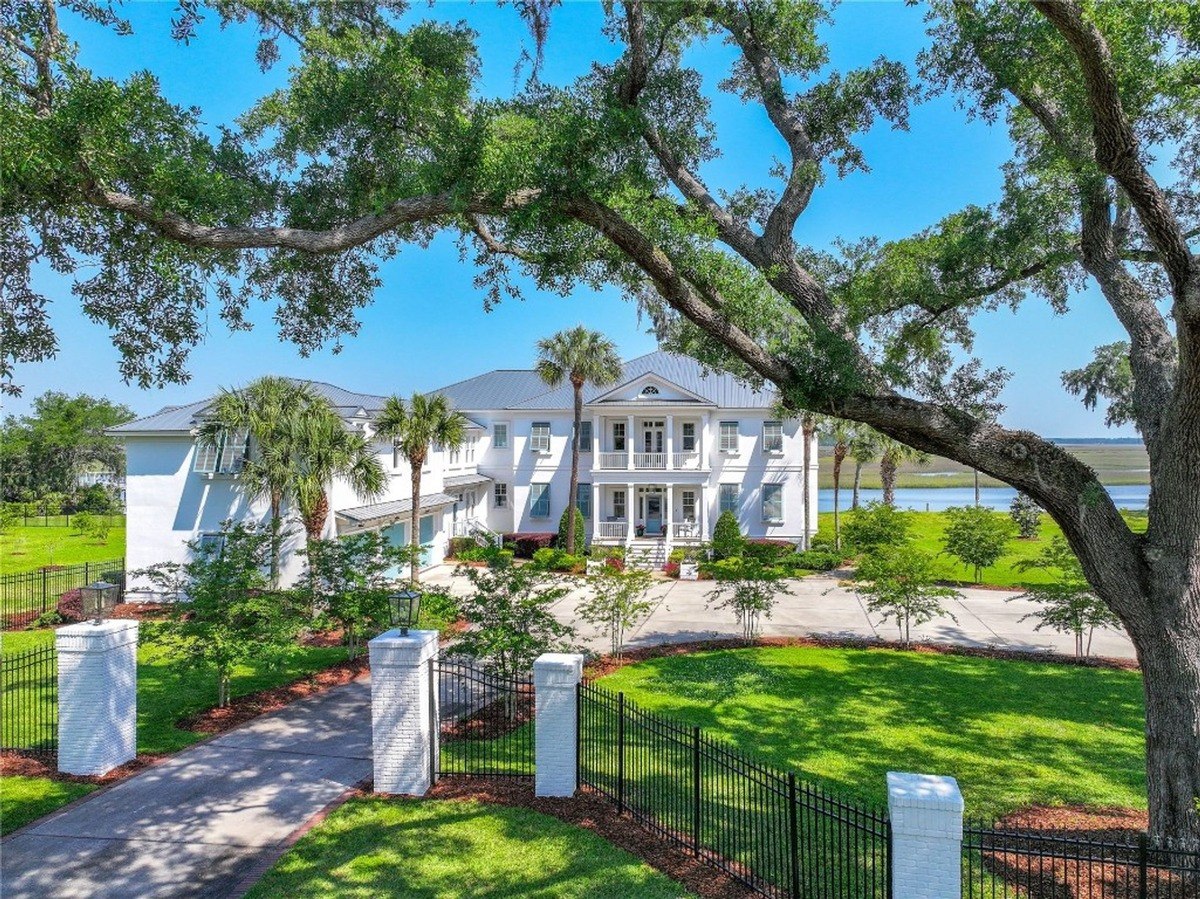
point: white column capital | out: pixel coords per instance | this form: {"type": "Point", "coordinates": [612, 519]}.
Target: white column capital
{"type": "Point", "coordinates": [926, 813]}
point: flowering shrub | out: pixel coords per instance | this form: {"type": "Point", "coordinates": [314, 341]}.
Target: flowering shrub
{"type": "Point", "coordinates": [524, 545]}
{"type": "Point", "coordinates": [672, 569]}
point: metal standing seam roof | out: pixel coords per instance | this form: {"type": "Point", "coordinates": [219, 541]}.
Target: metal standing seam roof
{"type": "Point", "coordinates": [360, 515]}
{"type": "Point", "coordinates": [464, 480]}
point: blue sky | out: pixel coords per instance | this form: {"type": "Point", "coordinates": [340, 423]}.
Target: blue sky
{"type": "Point", "coordinates": [427, 326]}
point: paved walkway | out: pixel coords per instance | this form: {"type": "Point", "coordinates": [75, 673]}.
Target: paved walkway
{"type": "Point", "coordinates": [819, 606]}
{"type": "Point", "coordinates": [198, 823]}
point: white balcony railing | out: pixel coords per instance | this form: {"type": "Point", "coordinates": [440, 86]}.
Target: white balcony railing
{"type": "Point", "coordinates": [614, 460]}
{"type": "Point", "coordinates": [651, 461]}
{"type": "Point", "coordinates": [688, 461]}
{"type": "Point", "coordinates": [617, 529]}
{"type": "Point", "coordinates": [685, 530]}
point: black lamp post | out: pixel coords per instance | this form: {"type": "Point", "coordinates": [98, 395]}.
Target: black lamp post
{"type": "Point", "coordinates": [97, 599]}
{"type": "Point", "coordinates": [404, 606]}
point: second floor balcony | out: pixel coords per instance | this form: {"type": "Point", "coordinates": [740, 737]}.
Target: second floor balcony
{"type": "Point", "coordinates": [627, 460]}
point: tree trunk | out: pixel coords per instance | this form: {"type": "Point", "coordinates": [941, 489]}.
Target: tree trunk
{"type": "Point", "coordinates": [975, 471]}
{"type": "Point", "coordinates": [807, 428]}
{"type": "Point", "coordinates": [414, 540]}
{"type": "Point", "coordinates": [887, 474]}
{"type": "Point", "coordinates": [314, 521]}
{"type": "Point", "coordinates": [573, 496]}
{"type": "Point", "coordinates": [276, 538]}
{"type": "Point", "coordinates": [839, 456]}
{"type": "Point", "coordinates": [857, 481]}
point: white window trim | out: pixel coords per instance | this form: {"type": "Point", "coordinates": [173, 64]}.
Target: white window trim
{"type": "Point", "coordinates": [768, 450]}
{"type": "Point", "coordinates": [737, 437]}
{"type": "Point", "coordinates": [737, 498]}
{"type": "Point", "coordinates": [624, 500]}
{"type": "Point", "coordinates": [776, 520]}
{"type": "Point", "coordinates": [500, 495]}
{"type": "Point", "coordinates": [507, 445]}
{"type": "Point", "coordinates": [534, 503]}
{"type": "Point", "coordinates": [535, 438]}
{"type": "Point", "coordinates": [584, 486]}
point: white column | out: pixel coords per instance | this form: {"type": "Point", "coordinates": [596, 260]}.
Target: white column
{"type": "Point", "coordinates": [556, 675]}
{"type": "Point", "coordinates": [705, 454]}
{"type": "Point", "coordinates": [670, 442]}
{"type": "Point", "coordinates": [598, 507]}
{"type": "Point", "coordinates": [630, 442]}
{"type": "Point", "coordinates": [403, 711]}
{"type": "Point", "coordinates": [926, 812]}
{"type": "Point", "coordinates": [597, 427]}
{"type": "Point", "coordinates": [667, 517]}
{"type": "Point", "coordinates": [97, 696]}
{"type": "Point", "coordinates": [630, 513]}
{"type": "Point", "coordinates": [704, 512]}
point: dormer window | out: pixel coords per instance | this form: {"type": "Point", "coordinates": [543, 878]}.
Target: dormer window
{"type": "Point", "coordinates": [649, 390]}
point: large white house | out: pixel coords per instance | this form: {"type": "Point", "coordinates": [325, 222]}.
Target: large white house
{"type": "Point", "coordinates": [662, 454]}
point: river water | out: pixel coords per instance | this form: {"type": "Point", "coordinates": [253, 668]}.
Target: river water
{"type": "Point", "coordinates": [935, 499]}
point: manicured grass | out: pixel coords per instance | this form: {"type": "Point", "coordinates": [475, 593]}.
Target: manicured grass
{"type": "Point", "coordinates": [29, 548]}
{"type": "Point", "coordinates": [1013, 733]}
{"type": "Point", "coordinates": [446, 849]}
{"type": "Point", "coordinates": [927, 530]}
{"type": "Point", "coordinates": [24, 799]}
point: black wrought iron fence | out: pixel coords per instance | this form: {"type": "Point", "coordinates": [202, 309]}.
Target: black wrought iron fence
{"type": "Point", "coordinates": [29, 700]}
{"type": "Point", "coordinates": [39, 519]}
{"type": "Point", "coordinates": [779, 835]}
{"type": "Point", "coordinates": [26, 595]}
{"type": "Point", "coordinates": [485, 720]}
{"type": "Point", "coordinates": [1000, 862]}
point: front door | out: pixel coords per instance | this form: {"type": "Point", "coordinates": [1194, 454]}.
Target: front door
{"type": "Point", "coordinates": [652, 436]}
{"type": "Point", "coordinates": [653, 514]}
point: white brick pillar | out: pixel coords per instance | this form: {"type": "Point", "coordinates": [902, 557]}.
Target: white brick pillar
{"type": "Point", "coordinates": [556, 676]}
{"type": "Point", "coordinates": [926, 812]}
{"type": "Point", "coordinates": [97, 696]}
{"type": "Point", "coordinates": [403, 711]}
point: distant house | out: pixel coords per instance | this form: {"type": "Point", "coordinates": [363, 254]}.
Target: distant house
{"type": "Point", "coordinates": [110, 480]}
{"type": "Point", "coordinates": [662, 454]}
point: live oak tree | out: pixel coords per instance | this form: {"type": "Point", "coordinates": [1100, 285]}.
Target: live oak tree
{"type": "Point", "coordinates": [380, 138]}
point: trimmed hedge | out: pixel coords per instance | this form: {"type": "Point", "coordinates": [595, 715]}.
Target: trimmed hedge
{"type": "Point", "coordinates": [766, 550]}
{"type": "Point", "coordinates": [525, 544]}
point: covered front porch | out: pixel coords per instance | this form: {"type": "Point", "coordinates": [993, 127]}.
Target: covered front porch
{"type": "Point", "coordinates": [625, 513]}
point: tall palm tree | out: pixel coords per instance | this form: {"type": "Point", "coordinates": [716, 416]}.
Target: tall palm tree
{"type": "Point", "coordinates": [325, 449]}
{"type": "Point", "coordinates": [842, 433]}
{"type": "Point", "coordinates": [893, 453]}
{"type": "Point", "coordinates": [416, 427]}
{"type": "Point", "coordinates": [263, 410]}
{"type": "Point", "coordinates": [581, 357]}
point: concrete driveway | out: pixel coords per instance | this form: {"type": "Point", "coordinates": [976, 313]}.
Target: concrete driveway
{"type": "Point", "coordinates": [818, 606]}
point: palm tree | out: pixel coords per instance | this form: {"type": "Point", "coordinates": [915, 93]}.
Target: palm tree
{"type": "Point", "coordinates": [842, 433]}
{"type": "Point", "coordinates": [263, 410]}
{"type": "Point", "coordinates": [893, 453]}
{"type": "Point", "coordinates": [581, 357]}
{"type": "Point", "coordinates": [864, 446]}
{"type": "Point", "coordinates": [414, 428]}
{"type": "Point", "coordinates": [324, 449]}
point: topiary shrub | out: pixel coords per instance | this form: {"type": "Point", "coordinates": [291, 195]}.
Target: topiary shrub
{"type": "Point", "coordinates": [727, 542]}
{"type": "Point", "coordinates": [580, 526]}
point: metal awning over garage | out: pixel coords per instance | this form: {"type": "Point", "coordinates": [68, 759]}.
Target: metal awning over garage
{"type": "Point", "coordinates": [462, 481]}
{"type": "Point", "coordinates": [377, 514]}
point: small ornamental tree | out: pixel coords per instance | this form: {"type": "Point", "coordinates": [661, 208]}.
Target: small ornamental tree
{"type": "Point", "coordinates": [580, 526]}
{"type": "Point", "coordinates": [750, 589]}
{"type": "Point", "coordinates": [976, 536]}
{"type": "Point", "coordinates": [349, 580]}
{"type": "Point", "coordinates": [618, 602]}
{"type": "Point", "coordinates": [727, 541]}
{"type": "Point", "coordinates": [9, 516]}
{"type": "Point", "coordinates": [98, 528]}
{"type": "Point", "coordinates": [224, 615]}
{"type": "Point", "coordinates": [876, 525]}
{"type": "Point", "coordinates": [899, 583]}
{"type": "Point", "coordinates": [1026, 515]}
{"type": "Point", "coordinates": [509, 618]}
{"type": "Point", "coordinates": [81, 522]}
{"type": "Point", "coordinates": [1067, 605]}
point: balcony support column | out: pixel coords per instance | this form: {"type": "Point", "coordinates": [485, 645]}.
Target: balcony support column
{"type": "Point", "coordinates": [668, 489]}
{"type": "Point", "coordinates": [670, 442]}
{"type": "Point", "coordinates": [630, 442]}
{"type": "Point", "coordinates": [630, 511]}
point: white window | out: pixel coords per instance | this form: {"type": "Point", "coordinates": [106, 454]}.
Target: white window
{"type": "Point", "coordinates": [618, 504]}
{"type": "Point", "coordinates": [455, 456]}
{"type": "Point", "coordinates": [397, 456]}
{"type": "Point", "coordinates": [500, 435]}
{"type": "Point", "coordinates": [585, 436]}
{"type": "Point", "coordinates": [688, 502]}
{"type": "Point", "coordinates": [772, 437]}
{"type": "Point", "coordinates": [649, 390]}
{"type": "Point", "coordinates": [539, 437]}
{"type": "Point", "coordinates": [227, 456]}
{"type": "Point", "coordinates": [618, 429]}
{"type": "Point", "coordinates": [583, 499]}
{"type": "Point", "coordinates": [539, 500]}
{"type": "Point", "coordinates": [500, 496]}
{"type": "Point", "coordinates": [470, 451]}
{"type": "Point", "coordinates": [689, 436]}
{"type": "Point", "coordinates": [772, 503]}
{"type": "Point", "coordinates": [728, 496]}
{"type": "Point", "coordinates": [729, 437]}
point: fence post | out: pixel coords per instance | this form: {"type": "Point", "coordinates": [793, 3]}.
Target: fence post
{"type": "Point", "coordinates": [793, 836]}
{"type": "Point", "coordinates": [556, 677]}
{"type": "Point", "coordinates": [696, 790]}
{"type": "Point", "coordinates": [402, 710]}
{"type": "Point", "coordinates": [1143, 847]}
{"type": "Point", "coordinates": [926, 813]}
{"type": "Point", "coordinates": [97, 696]}
{"type": "Point", "coordinates": [43, 589]}
{"type": "Point", "coordinates": [621, 753]}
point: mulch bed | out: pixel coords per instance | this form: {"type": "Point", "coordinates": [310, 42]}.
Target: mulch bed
{"type": "Point", "coordinates": [606, 664]}
{"type": "Point", "coordinates": [16, 764]}
{"type": "Point", "coordinates": [493, 720]}
{"type": "Point", "coordinates": [599, 815]}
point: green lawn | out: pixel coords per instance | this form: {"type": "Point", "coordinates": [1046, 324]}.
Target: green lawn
{"type": "Point", "coordinates": [445, 849]}
{"type": "Point", "coordinates": [24, 799]}
{"type": "Point", "coordinates": [927, 530]}
{"type": "Point", "coordinates": [29, 548]}
{"type": "Point", "coordinates": [1013, 733]}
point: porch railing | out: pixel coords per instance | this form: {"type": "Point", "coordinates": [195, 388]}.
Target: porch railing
{"type": "Point", "coordinates": [652, 461]}
{"type": "Point", "coordinates": [617, 529]}
{"type": "Point", "coordinates": [688, 461]}
{"type": "Point", "coordinates": [614, 460]}
{"type": "Point", "coordinates": [685, 530]}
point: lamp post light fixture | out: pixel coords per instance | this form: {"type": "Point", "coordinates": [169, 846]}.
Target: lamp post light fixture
{"type": "Point", "coordinates": [404, 606]}
{"type": "Point", "coordinates": [98, 598]}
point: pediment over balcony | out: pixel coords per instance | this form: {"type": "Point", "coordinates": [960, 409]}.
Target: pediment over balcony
{"type": "Point", "coordinates": [649, 390]}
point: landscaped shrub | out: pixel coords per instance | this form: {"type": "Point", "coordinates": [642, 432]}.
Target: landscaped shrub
{"type": "Point", "coordinates": [727, 539]}
{"type": "Point", "coordinates": [525, 544]}
{"type": "Point", "coordinates": [875, 525]}
{"type": "Point", "coordinates": [1026, 515]}
{"type": "Point", "coordinates": [617, 562]}
{"type": "Point", "coordinates": [813, 560]}
{"type": "Point", "coordinates": [459, 545]}
{"type": "Point", "coordinates": [580, 529]}
{"type": "Point", "coordinates": [439, 609]}
{"type": "Point", "coordinates": [671, 569]}
{"type": "Point", "coordinates": [70, 605]}
{"type": "Point", "coordinates": [976, 536]}
{"type": "Point", "coordinates": [767, 551]}
{"type": "Point", "coordinates": [677, 555]}
{"type": "Point", "coordinates": [553, 559]}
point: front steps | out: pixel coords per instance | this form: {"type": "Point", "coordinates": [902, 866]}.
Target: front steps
{"type": "Point", "coordinates": [647, 555]}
